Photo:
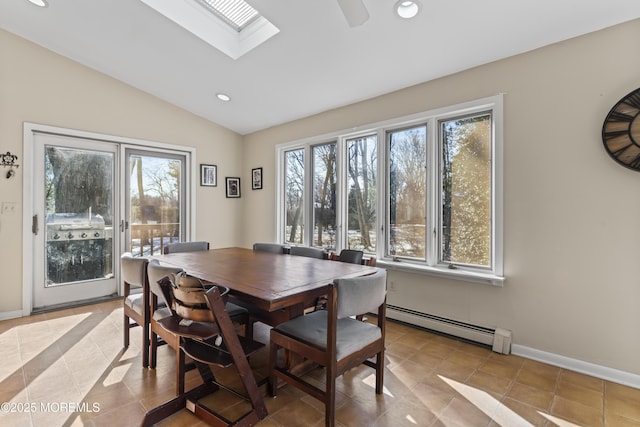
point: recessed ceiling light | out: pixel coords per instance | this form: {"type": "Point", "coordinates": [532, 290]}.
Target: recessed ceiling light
{"type": "Point", "coordinates": [41, 3]}
{"type": "Point", "coordinates": [223, 97]}
{"type": "Point", "coordinates": [407, 9]}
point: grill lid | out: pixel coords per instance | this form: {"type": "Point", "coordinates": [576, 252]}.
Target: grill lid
{"type": "Point", "coordinates": [74, 221]}
{"type": "Point", "coordinates": [74, 226]}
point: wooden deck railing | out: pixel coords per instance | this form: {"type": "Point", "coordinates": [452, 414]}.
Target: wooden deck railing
{"type": "Point", "coordinates": [150, 239]}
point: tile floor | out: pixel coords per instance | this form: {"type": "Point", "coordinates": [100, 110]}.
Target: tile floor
{"type": "Point", "coordinates": [67, 368]}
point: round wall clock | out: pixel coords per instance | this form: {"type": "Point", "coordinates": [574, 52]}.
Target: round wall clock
{"type": "Point", "coordinates": [621, 131]}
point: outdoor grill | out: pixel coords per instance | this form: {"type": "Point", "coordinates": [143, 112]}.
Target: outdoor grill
{"type": "Point", "coordinates": [75, 247]}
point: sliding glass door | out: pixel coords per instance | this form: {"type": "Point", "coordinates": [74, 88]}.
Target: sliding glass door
{"type": "Point", "coordinates": [155, 212]}
{"type": "Point", "coordinates": [93, 199]}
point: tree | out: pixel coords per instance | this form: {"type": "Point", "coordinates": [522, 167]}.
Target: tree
{"type": "Point", "coordinates": [467, 190]}
{"type": "Point", "coordinates": [294, 193]}
{"type": "Point", "coordinates": [79, 181]}
{"type": "Point", "coordinates": [362, 172]}
{"type": "Point", "coordinates": [407, 186]}
{"type": "Point", "coordinates": [324, 190]}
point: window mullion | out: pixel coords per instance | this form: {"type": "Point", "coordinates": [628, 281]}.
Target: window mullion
{"type": "Point", "coordinates": [341, 194]}
{"type": "Point", "coordinates": [382, 226]}
{"type": "Point", "coordinates": [307, 238]}
{"type": "Point", "coordinates": [433, 172]}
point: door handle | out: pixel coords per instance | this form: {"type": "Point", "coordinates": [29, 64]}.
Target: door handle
{"type": "Point", "coordinates": [34, 224]}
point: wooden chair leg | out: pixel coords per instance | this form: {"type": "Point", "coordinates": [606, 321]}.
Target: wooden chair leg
{"type": "Point", "coordinates": [273, 380]}
{"type": "Point", "coordinates": [180, 370]}
{"type": "Point", "coordinates": [153, 350]}
{"type": "Point", "coordinates": [126, 332]}
{"type": "Point", "coordinates": [145, 346]}
{"type": "Point", "coordinates": [379, 372]}
{"type": "Point", "coordinates": [330, 398]}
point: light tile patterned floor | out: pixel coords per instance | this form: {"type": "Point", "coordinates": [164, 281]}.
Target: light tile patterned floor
{"type": "Point", "coordinates": [67, 368]}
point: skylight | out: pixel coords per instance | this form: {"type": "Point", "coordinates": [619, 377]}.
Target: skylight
{"type": "Point", "coordinates": [236, 13]}
{"type": "Point", "coordinates": [231, 26]}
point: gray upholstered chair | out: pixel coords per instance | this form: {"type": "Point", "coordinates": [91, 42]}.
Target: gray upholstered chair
{"type": "Point", "coordinates": [351, 256]}
{"type": "Point", "coordinates": [135, 307]}
{"type": "Point", "coordinates": [308, 251]}
{"type": "Point", "coordinates": [185, 247]}
{"type": "Point", "coordinates": [276, 248]}
{"type": "Point", "coordinates": [334, 340]}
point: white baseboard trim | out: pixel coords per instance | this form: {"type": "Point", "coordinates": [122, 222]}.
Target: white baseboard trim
{"type": "Point", "coordinates": [6, 315]}
{"type": "Point", "coordinates": [598, 371]}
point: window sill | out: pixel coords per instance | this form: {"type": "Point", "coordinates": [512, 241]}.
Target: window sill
{"type": "Point", "coordinates": [467, 276]}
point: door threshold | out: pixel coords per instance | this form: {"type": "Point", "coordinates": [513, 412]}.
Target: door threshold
{"type": "Point", "coordinates": [81, 303]}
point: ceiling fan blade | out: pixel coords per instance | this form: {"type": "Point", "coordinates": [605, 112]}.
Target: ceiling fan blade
{"type": "Point", "coordinates": [354, 11]}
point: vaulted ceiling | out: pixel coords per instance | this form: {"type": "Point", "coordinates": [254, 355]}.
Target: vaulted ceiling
{"type": "Point", "coordinates": [316, 62]}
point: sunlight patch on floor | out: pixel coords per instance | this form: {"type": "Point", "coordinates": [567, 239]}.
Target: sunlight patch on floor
{"type": "Point", "coordinates": [371, 382]}
{"type": "Point", "coordinates": [487, 404]}
{"type": "Point", "coordinates": [116, 374]}
{"type": "Point", "coordinates": [558, 421]}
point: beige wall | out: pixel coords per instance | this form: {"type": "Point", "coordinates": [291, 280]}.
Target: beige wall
{"type": "Point", "coordinates": [571, 214]}
{"type": "Point", "coordinates": [42, 87]}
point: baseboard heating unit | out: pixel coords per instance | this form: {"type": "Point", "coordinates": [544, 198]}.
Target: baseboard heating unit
{"type": "Point", "coordinates": [499, 339]}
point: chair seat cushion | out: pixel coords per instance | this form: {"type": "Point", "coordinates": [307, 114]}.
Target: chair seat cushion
{"type": "Point", "coordinates": [235, 310]}
{"type": "Point", "coordinates": [161, 313]}
{"type": "Point", "coordinates": [134, 302]}
{"type": "Point", "coordinates": [352, 334]}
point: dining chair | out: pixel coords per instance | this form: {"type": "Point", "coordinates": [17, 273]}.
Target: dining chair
{"type": "Point", "coordinates": [135, 306]}
{"type": "Point", "coordinates": [351, 256]}
{"type": "Point", "coordinates": [160, 310]}
{"type": "Point", "coordinates": [354, 257]}
{"type": "Point", "coordinates": [334, 340]}
{"type": "Point", "coordinates": [275, 248]}
{"type": "Point", "coordinates": [185, 247]}
{"type": "Point", "coordinates": [308, 251]}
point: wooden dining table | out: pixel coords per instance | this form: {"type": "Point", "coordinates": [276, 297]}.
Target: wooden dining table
{"type": "Point", "coordinates": [274, 287]}
{"type": "Point", "coordinates": [265, 281]}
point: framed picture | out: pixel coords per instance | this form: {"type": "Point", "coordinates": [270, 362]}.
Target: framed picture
{"type": "Point", "coordinates": [256, 179]}
{"type": "Point", "coordinates": [233, 187]}
{"type": "Point", "coordinates": [209, 175]}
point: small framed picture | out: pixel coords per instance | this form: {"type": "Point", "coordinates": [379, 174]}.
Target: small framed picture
{"type": "Point", "coordinates": [233, 187]}
{"type": "Point", "coordinates": [209, 175]}
{"type": "Point", "coordinates": [256, 179]}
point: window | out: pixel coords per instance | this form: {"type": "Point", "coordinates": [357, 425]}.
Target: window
{"type": "Point", "coordinates": [420, 193]}
{"type": "Point", "coordinates": [407, 172]}
{"type": "Point", "coordinates": [324, 196]}
{"type": "Point", "coordinates": [238, 14]}
{"type": "Point", "coordinates": [294, 191]}
{"type": "Point", "coordinates": [361, 193]}
{"type": "Point", "coordinates": [465, 222]}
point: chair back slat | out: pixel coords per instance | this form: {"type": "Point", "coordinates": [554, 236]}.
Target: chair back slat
{"type": "Point", "coordinates": [351, 256]}
{"type": "Point", "coordinates": [308, 252]}
{"type": "Point", "coordinates": [362, 294]}
{"type": "Point", "coordinates": [156, 273]}
{"type": "Point", "coordinates": [185, 247]}
{"type": "Point", "coordinates": [133, 270]}
{"type": "Point", "coordinates": [275, 248]}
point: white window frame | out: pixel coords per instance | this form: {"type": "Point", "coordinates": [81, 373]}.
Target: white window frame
{"type": "Point", "coordinates": [492, 276]}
